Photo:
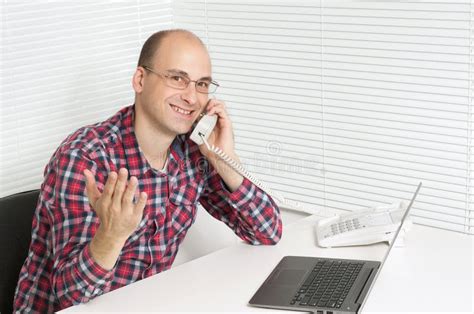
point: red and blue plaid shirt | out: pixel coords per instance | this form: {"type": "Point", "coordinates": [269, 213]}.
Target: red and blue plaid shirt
{"type": "Point", "coordinates": [59, 270]}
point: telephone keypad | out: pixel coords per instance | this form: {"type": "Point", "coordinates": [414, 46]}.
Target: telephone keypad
{"type": "Point", "coordinates": [344, 226]}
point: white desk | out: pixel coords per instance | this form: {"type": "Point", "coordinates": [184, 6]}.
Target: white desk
{"type": "Point", "coordinates": [432, 273]}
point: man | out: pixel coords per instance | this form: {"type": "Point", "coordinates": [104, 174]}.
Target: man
{"type": "Point", "coordinates": [118, 197]}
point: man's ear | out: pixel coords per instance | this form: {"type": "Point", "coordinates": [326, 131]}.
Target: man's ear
{"type": "Point", "coordinates": [138, 79]}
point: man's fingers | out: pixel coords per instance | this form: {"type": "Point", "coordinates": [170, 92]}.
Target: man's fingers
{"type": "Point", "coordinates": [109, 187]}
{"type": "Point", "coordinates": [214, 105]}
{"type": "Point", "coordinates": [141, 203]}
{"type": "Point", "coordinates": [92, 191]}
{"type": "Point", "coordinates": [120, 188]}
{"type": "Point", "coordinates": [211, 103]}
{"type": "Point", "coordinates": [129, 193]}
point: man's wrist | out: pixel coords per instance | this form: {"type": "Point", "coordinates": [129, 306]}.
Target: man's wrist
{"type": "Point", "coordinates": [231, 177]}
{"type": "Point", "coordinates": [106, 236]}
{"type": "Point", "coordinates": [105, 248]}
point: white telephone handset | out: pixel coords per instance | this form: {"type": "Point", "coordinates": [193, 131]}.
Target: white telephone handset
{"type": "Point", "coordinates": [200, 135]}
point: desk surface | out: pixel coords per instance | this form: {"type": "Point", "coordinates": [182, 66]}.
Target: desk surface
{"type": "Point", "coordinates": [432, 273]}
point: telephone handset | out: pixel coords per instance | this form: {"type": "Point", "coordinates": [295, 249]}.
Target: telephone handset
{"type": "Point", "coordinates": [200, 135]}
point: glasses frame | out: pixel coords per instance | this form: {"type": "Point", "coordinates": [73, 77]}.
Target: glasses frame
{"type": "Point", "coordinates": [164, 74]}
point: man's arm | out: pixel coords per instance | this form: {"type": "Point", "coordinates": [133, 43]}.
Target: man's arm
{"type": "Point", "coordinates": [232, 179]}
{"type": "Point", "coordinates": [86, 244]}
{"type": "Point", "coordinates": [229, 197]}
{"type": "Point", "coordinates": [248, 211]}
{"type": "Point", "coordinates": [59, 270]}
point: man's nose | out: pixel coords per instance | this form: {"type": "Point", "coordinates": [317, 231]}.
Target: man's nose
{"type": "Point", "coordinates": [190, 93]}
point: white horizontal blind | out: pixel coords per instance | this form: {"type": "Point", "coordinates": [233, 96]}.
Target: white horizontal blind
{"type": "Point", "coordinates": [396, 106]}
{"type": "Point", "coordinates": [65, 64]}
{"type": "Point", "coordinates": [345, 104]}
{"type": "Point", "coordinates": [470, 209]}
{"type": "Point", "coordinates": [266, 57]}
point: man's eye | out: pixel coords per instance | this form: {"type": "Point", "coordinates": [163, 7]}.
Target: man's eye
{"type": "Point", "coordinates": [204, 84]}
{"type": "Point", "coordinates": [177, 78]}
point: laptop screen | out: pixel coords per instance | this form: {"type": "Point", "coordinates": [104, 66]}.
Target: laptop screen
{"type": "Point", "coordinates": [405, 215]}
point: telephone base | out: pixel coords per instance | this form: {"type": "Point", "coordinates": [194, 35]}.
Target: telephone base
{"type": "Point", "coordinates": [363, 227]}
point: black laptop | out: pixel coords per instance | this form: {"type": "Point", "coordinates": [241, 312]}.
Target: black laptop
{"type": "Point", "coordinates": [322, 285]}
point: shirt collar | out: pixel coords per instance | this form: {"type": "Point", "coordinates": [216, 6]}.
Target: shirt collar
{"type": "Point", "coordinates": [136, 161]}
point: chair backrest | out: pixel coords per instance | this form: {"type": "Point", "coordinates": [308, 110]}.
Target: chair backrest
{"type": "Point", "coordinates": [16, 215]}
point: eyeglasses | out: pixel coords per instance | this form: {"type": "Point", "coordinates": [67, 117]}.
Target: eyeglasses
{"type": "Point", "coordinates": [181, 81]}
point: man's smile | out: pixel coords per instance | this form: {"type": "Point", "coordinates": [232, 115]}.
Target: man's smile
{"type": "Point", "coordinates": [181, 110]}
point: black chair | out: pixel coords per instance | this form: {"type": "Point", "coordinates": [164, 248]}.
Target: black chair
{"type": "Point", "coordinates": [16, 215]}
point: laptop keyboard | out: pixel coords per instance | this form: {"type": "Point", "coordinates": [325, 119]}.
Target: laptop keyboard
{"type": "Point", "coordinates": [328, 284]}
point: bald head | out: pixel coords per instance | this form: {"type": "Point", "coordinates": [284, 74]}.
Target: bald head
{"type": "Point", "coordinates": [168, 58]}
{"type": "Point", "coordinates": [153, 44]}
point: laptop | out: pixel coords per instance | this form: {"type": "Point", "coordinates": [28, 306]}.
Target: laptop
{"type": "Point", "coordinates": [322, 285]}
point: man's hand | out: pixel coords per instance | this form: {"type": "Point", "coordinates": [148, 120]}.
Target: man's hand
{"type": "Point", "coordinates": [118, 215]}
{"type": "Point", "coordinates": [223, 137]}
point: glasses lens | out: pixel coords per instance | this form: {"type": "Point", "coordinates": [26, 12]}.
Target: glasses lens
{"type": "Point", "coordinates": [177, 81]}
{"type": "Point", "coordinates": [211, 88]}
{"type": "Point", "coordinates": [202, 86]}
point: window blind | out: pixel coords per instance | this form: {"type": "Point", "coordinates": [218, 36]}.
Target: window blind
{"type": "Point", "coordinates": [267, 60]}
{"type": "Point", "coordinates": [336, 104]}
{"type": "Point", "coordinates": [346, 104]}
{"type": "Point", "coordinates": [64, 65]}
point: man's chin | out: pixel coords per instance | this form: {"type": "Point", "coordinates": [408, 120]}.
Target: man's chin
{"type": "Point", "coordinates": [182, 128]}
{"type": "Point", "coordinates": [184, 131]}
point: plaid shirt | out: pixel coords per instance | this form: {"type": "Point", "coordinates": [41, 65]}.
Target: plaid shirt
{"type": "Point", "coordinates": [59, 270]}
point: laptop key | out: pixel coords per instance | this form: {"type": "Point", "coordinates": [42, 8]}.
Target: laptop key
{"type": "Point", "coordinates": [305, 300]}
{"type": "Point", "coordinates": [313, 302]}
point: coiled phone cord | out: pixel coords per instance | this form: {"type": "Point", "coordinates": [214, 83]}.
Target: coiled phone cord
{"type": "Point", "coordinates": [280, 199]}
